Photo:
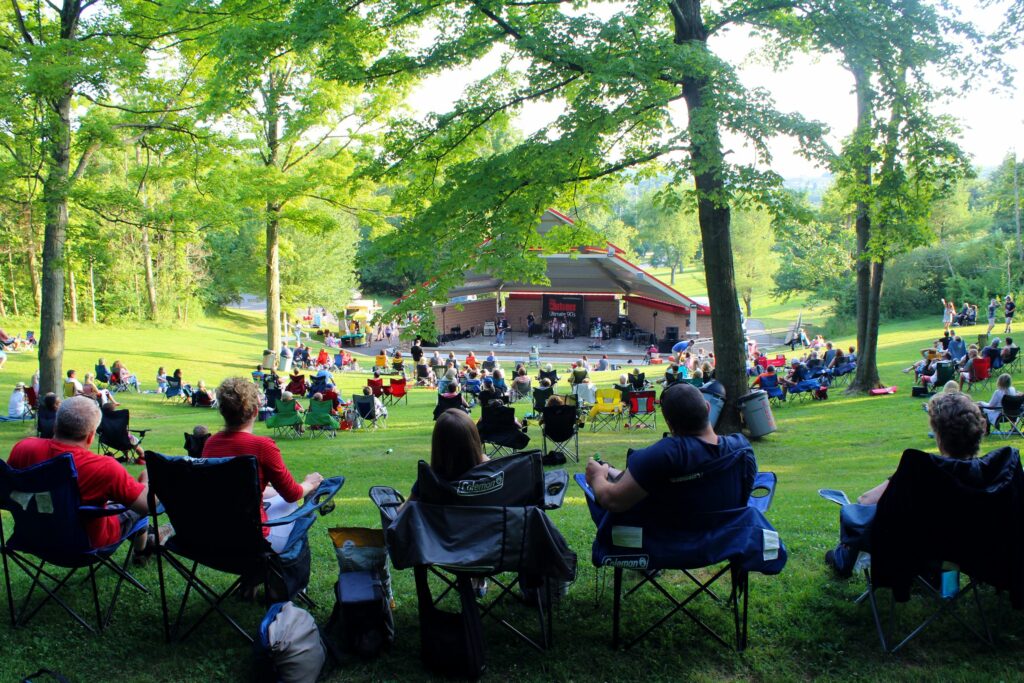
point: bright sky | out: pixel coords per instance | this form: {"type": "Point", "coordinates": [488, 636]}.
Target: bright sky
{"type": "Point", "coordinates": [817, 87]}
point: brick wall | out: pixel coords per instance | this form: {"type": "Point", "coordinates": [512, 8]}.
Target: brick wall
{"type": "Point", "coordinates": [516, 309]}
{"type": "Point", "coordinates": [473, 314]}
{"type": "Point", "coordinates": [643, 316]}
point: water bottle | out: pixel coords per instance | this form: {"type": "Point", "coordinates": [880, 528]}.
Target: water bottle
{"type": "Point", "coordinates": [389, 451]}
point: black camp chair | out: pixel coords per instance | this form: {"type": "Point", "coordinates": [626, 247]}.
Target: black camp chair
{"type": "Point", "coordinates": [214, 505]}
{"type": "Point", "coordinates": [718, 523]}
{"type": "Point", "coordinates": [1011, 416]}
{"type": "Point", "coordinates": [50, 543]}
{"type": "Point", "coordinates": [449, 403]}
{"type": "Point", "coordinates": [638, 380]}
{"type": "Point", "coordinates": [927, 526]}
{"type": "Point", "coordinates": [366, 410]}
{"type": "Point", "coordinates": [115, 435]}
{"type": "Point", "coordinates": [194, 444]}
{"type": "Point", "coordinates": [540, 398]}
{"type": "Point", "coordinates": [499, 433]}
{"type": "Point", "coordinates": [550, 375]}
{"type": "Point", "coordinates": [561, 427]}
{"type": "Point", "coordinates": [45, 421]}
{"type": "Point", "coordinates": [471, 528]}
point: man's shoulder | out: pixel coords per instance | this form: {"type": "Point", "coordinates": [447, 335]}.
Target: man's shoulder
{"type": "Point", "coordinates": [27, 451]}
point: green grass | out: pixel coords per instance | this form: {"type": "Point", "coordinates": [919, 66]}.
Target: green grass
{"type": "Point", "coordinates": [803, 623]}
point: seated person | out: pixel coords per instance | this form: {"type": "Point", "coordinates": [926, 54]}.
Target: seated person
{"type": "Point", "coordinates": [829, 354]}
{"type": "Point", "coordinates": [838, 360]}
{"type": "Point", "coordinates": [957, 348]}
{"type": "Point", "coordinates": [161, 379]}
{"type": "Point", "coordinates": [17, 406]}
{"type": "Point", "coordinates": [499, 382]}
{"type": "Point", "coordinates": [203, 397]}
{"type": "Point", "coordinates": [132, 439]}
{"type": "Point", "coordinates": [46, 416]}
{"type": "Point", "coordinates": [968, 366]}
{"type": "Point", "coordinates": [994, 408]}
{"type": "Point", "coordinates": [271, 381]}
{"type": "Point", "coordinates": [100, 479]}
{"type": "Point", "coordinates": [671, 375]}
{"type": "Point", "coordinates": [102, 396]}
{"type": "Point", "coordinates": [239, 403]}
{"type": "Point", "coordinates": [624, 387]}
{"type": "Point", "coordinates": [102, 371]}
{"type": "Point", "coordinates": [488, 392]}
{"type": "Point", "coordinates": [397, 364]}
{"type": "Point", "coordinates": [766, 378]}
{"type": "Point", "coordinates": [473, 383]}
{"type": "Point", "coordinates": [72, 379]}
{"type": "Point", "coordinates": [522, 382]}
{"type": "Point", "coordinates": [651, 354]}
{"type": "Point", "coordinates": [497, 403]}
{"type": "Point", "coordinates": [323, 359]}
{"type": "Point", "coordinates": [994, 354]}
{"type": "Point", "coordinates": [1009, 350]}
{"type": "Point", "coordinates": [797, 373]}
{"type": "Point", "coordinates": [603, 365]}
{"type": "Point", "coordinates": [382, 359]}
{"type": "Point", "coordinates": [580, 372]}
{"type": "Point", "coordinates": [553, 400]}
{"type": "Point", "coordinates": [378, 407]}
{"type": "Point", "coordinates": [471, 361]}
{"type": "Point", "coordinates": [125, 375]}
{"type": "Point", "coordinates": [646, 483]}
{"type": "Point", "coordinates": [449, 377]}
{"type": "Point", "coordinates": [958, 426]}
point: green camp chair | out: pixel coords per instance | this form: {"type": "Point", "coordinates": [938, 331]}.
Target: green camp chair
{"type": "Point", "coordinates": [944, 371]}
{"type": "Point", "coordinates": [320, 421]}
{"type": "Point", "coordinates": [285, 420]}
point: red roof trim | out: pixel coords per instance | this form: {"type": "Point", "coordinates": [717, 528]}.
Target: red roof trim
{"type": "Point", "coordinates": [664, 306]}
{"type": "Point", "coordinates": [558, 214]}
{"type": "Point", "coordinates": [587, 296]}
{"type": "Point", "coordinates": [702, 309]}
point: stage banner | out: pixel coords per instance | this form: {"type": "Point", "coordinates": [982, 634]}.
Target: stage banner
{"type": "Point", "coordinates": [569, 308]}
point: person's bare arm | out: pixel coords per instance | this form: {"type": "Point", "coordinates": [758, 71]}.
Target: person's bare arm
{"type": "Point", "coordinates": [311, 483]}
{"type": "Point", "coordinates": [613, 490]}
{"type": "Point", "coordinates": [141, 504]}
{"type": "Point", "coordinates": [871, 497]}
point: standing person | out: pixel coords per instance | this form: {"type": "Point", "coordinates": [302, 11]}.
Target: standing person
{"type": "Point", "coordinates": [388, 331]}
{"type": "Point", "coordinates": [1008, 311]}
{"type": "Point", "coordinates": [530, 320]}
{"type": "Point", "coordinates": [993, 305]}
{"type": "Point", "coordinates": [948, 315]}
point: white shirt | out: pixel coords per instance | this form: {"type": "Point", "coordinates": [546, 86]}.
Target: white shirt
{"type": "Point", "coordinates": [78, 385]}
{"type": "Point", "coordinates": [16, 407]}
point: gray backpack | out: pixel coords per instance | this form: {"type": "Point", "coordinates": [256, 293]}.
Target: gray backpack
{"type": "Point", "coordinates": [289, 648]}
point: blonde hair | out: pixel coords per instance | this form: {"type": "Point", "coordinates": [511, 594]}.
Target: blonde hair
{"type": "Point", "coordinates": [1004, 382]}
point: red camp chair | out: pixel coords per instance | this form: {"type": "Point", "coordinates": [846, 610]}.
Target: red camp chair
{"type": "Point", "coordinates": [376, 386]}
{"type": "Point", "coordinates": [32, 398]}
{"type": "Point", "coordinates": [395, 391]}
{"type": "Point", "coordinates": [642, 410]}
{"type": "Point", "coordinates": [981, 373]}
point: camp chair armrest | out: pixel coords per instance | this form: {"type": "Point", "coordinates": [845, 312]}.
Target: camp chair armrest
{"type": "Point", "coordinates": [763, 491]}
{"type": "Point", "coordinates": [141, 432]}
{"type": "Point", "coordinates": [581, 480]}
{"type": "Point", "coordinates": [95, 511]}
{"type": "Point", "coordinates": [556, 483]}
{"type": "Point", "coordinates": [315, 502]}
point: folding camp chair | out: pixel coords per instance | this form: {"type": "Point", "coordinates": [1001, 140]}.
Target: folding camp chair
{"type": "Point", "coordinates": [45, 421]}
{"type": "Point", "coordinates": [534, 360]}
{"type": "Point", "coordinates": [520, 391]}
{"type": "Point", "coordinates": [540, 398]}
{"type": "Point", "coordinates": [841, 374]}
{"type": "Point", "coordinates": [194, 445]}
{"type": "Point", "coordinates": [396, 391]}
{"type": "Point", "coordinates": [638, 380]}
{"type": "Point", "coordinates": [488, 365]}
{"type": "Point", "coordinates": [117, 384]}
{"type": "Point", "coordinates": [925, 533]}
{"type": "Point", "coordinates": [772, 387]}
{"type": "Point", "coordinates": [642, 411]}
{"type": "Point", "coordinates": [980, 374]}
{"type": "Point", "coordinates": [376, 386]}
{"type": "Point", "coordinates": [1012, 414]}
{"type": "Point", "coordinates": [319, 420]}
{"type": "Point", "coordinates": [102, 375]}
{"type": "Point", "coordinates": [508, 532]}
{"type": "Point", "coordinates": [721, 527]}
{"type": "Point", "coordinates": [49, 534]}
{"type": "Point", "coordinates": [174, 389]}
{"type": "Point", "coordinates": [214, 505]}
{"type": "Point", "coordinates": [1013, 362]}
{"type": "Point", "coordinates": [423, 376]}
{"type": "Point", "coordinates": [286, 420]}
{"type": "Point", "coordinates": [804, 389]}
{"type": "Point", "coordinates": [607, 410]}
{"type": "Point", "coordinates": [551, 376]}
{"type": "Point", "coordinates": [560, 426]}
{"type": "Point", "coordinates": [449, 403]}
{"type": "Point", "coordinates": [69, 389]}
{"type": "Point", "coordinates": [32, 401]}
{"type": "Point", "coordinates": [339, 362]}
{"type": "Point", "coordinates": [115, 435]}
{"type": "Point", "coordinates": [366, 410]}
{"type": "Point", "coordinates": [499, 433]}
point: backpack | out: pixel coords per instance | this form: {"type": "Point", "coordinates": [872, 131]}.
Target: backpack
{"type": "Point", "coordinates": [820, 394]}
{"type": "Point", "coordinates": [289, 648]}
{"type": "Point", "coordinates": [362, 622]}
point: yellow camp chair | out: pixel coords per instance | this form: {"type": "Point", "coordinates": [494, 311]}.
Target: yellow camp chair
{"type": "Point", "coordinates": [607, 410]}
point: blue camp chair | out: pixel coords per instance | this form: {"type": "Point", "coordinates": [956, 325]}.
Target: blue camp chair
{"type": "Point", "coordinates": [214, 506]}
{"type": "Point", "coordinates": [771, 386]}
{"type": "Point", "coordinates": [804, 389]}
{"type": "Point", "coordinates": [734, 541]}
{"type": "Point", "coordinates": [49, 530]}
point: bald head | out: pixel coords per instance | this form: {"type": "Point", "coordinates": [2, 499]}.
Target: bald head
{"type": "Point", "coordinates": [77, 419]}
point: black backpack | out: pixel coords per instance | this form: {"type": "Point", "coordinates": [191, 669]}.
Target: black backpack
{"type": "Point", "coordinates": [362, 623]}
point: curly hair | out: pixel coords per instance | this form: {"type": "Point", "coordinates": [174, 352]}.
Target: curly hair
{"type": "Point", "coordinates": [238, 400]}
{"type": "Point", "coordinates": [958, 424]}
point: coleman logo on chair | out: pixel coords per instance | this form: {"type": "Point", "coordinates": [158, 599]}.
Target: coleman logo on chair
{"type": "Point", "coordinates": [626, 561]}
{"type": "Point", "coordinates": [479, 487]}
{"type": "Point", "coordinates": [688, 477]}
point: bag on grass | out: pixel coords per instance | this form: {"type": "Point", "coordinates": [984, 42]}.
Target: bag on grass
{"type": "Point", "coordinates": [821, 393]}
{"type": "Point", "coordinates": [289, 648]}
{"type": "Point", "coordinates": [362, 622]}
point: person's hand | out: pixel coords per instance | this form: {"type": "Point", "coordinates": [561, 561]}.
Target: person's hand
{"type": "Point", "coordinates": [313, 480]}
{"type": "Point", "coordinates": [596, 470]}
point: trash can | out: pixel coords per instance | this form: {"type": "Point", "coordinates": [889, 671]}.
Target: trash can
{"type": "Point", "coordinates": [757, 413]}
{"type": "Point", "coordinates": [268, 359]}
{"type": "Point", "coordinates": [285, 365]}
{"type": "Point", "coordinates": [714, 394]}
{"type": "Point", "coordinates": [982, 341]}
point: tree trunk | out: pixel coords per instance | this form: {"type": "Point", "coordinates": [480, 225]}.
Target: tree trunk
{"type": "Point", "coordinates": [147, 262]}
{"type": "Point", "coordinates": [714, 216]}
{"type": "Point", "coordinates": [32, 260]}
{"type": "Point", "coordinates": [14, 288]}
{"type": "Point", "coordinates": [92, 292]}
{"type": "Point", "coordinates": [74, 294]}
{"type": "Point", "coordinates": [867, 357]}
{"type": "Point", "coordinates": [55, 199]}
{"type": "Point", "coordinates": [672, 275]}
{"type": "Point", "coordinates": [1016, 207]}
{"type": "Point", "coordinates": [3, 308]}
{"type": "Point", "coordinates": [273, 281]}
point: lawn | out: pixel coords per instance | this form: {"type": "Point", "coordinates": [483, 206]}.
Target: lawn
{"type": "Point", "coordinates": [803, 623]}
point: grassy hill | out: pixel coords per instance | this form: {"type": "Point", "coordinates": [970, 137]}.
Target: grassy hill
{"type": "Point", "coordinates": [803, 623]}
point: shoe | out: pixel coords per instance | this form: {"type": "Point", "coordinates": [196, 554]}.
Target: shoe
{"type": "Point", "coordinates": [839, 559]}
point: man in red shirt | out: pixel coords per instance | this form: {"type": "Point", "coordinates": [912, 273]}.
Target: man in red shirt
{"type": "Point", "coordinates": [100, 478]}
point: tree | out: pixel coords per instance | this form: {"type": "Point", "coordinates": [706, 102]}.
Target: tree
{"type": "Point", "coordinates": [901, 156]}
{"type": "Point", "coordinates": [756, 260]}
{"type": "Point", "coordinates": [618, 77]}
{"type": "Point", "coordinates": [668, 228]}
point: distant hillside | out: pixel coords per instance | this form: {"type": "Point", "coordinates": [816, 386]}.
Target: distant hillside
{"type": "Point", "coordinates": [813, 186]}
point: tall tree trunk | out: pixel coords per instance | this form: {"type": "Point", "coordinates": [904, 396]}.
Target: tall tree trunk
{"type": "Point", "coordinates": [272, 138]}
{"type": "Point", "coordinates": [92, 291]}
{"type": "Point", "coordinates": [55, 199]}
{"type": "Point", "coordinates": [672, 275]}
{"type": "Point", "coordinates": [147, 262]}
{"type": "Point", "coordinates": [867, 356]}
{"type": "Point", "coordinates": [3, 308]}
{"type": "Point", "coordinates": [74, 294]}
{"type": "Point", "coordinates": [13, 284]}
{"type": "Point", "coordinates": [866, 377]}
{"type": "Point", "coordinates": [1016, 207]}
{"type": "Point", "coordinates": [714, 217]}
{"type": "Point", "coordinates": [32, 249]}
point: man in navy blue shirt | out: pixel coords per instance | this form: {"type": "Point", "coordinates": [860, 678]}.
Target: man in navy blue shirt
{"type": "Point", "coordinates": [646, 485]}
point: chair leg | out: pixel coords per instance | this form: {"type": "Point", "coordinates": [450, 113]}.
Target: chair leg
{"type": "Point", "coordinates": [616, 606]}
